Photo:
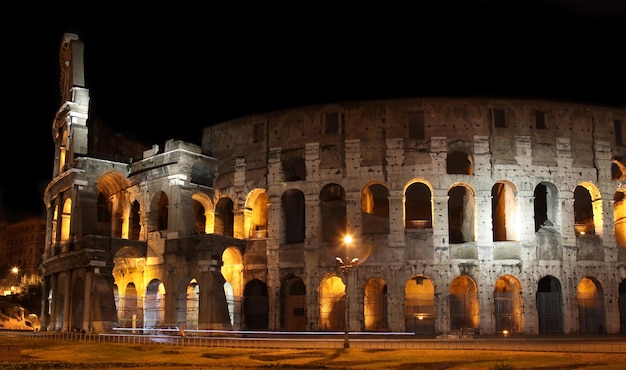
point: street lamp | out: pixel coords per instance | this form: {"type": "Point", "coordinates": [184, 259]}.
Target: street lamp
{"type": "Point", "coordinates": [15, 270]}
{"type": "Point", "coordinates": [345, 267]}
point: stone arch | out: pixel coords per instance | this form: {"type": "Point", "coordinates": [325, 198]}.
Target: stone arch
{"type": "Point", "coordinates": [550, 305]}
{"type": "Point", "coordinates": [256, 219]}
{"type": "Point", "coordinates": [545, 205]}
{"type": "Point", "coordinates": [128, 274]}
{"type": "Point", "coordinates": [375, 208]}
{"type": "Point", "coordinates": [461, 213]}
{"type": "Point", "coordinates": [590, 299]}
{"type": "Point", "coordinates": [66, 217]}
{"type": "Point", "coordinates": [504, 211]}
{"type": "Point", "coordinates": [224, 217]}
{"type": "Point", "coordinates": [419, 305]}
{"type": "Point", "coordinates": [154, 307]}
{"type": "Point", "coordinates": [332, 301]}
{"type": "Point", "coordinates": [232, 271]}
{"type": "Point", "coordinates": [418, 205]}
{"type": "Point", "coordinates": [187, 303]}
{"type": "Point", "coordinates": [256, 305]}
{"type": "Point", "coordinates": [618, 170]}
{"type": "Point", "coordinates": [203, 211]}
{"type": "Point", "coordinates": [293, 304]}
{"type": "Point", "coordinates": [587, 209]}
{"type": "Point", "coordinates": [128, 311]}
{"type": "Point", "coordinates": [508, 305]}
{"type": "Point", "coordinates": [375, 299]}
{"type": "Point", "coordinates": [464, 304]}
{"type": "Point", "coordinates": [159, 216]}
{"type": "Point", "coordinates": [113, 204]}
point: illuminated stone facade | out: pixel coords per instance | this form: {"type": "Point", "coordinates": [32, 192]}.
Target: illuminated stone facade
{"type": "Point", "coordinates": [468, 216]}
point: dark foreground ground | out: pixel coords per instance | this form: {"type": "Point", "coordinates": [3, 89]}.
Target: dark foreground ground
{"type": "Point", "coordinates": [46, 352]}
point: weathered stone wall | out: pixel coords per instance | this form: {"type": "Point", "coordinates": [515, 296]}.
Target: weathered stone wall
{"type": "Point", "coordinates": [372, 145]}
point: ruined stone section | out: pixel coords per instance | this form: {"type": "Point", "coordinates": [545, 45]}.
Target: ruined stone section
{"type": "Point", "coordinates": [469, 217]}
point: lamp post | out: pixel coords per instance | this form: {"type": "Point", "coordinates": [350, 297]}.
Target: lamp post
{"type": "Point", "coordinates": [345, 267]}
{"type": "Point", "coordinates": [15, 270]}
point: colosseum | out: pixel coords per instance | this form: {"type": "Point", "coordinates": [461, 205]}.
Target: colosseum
{"type": "Point", "coordinates": [476, 215]}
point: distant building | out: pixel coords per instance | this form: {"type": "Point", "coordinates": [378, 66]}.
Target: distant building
{"type": "Point", "coordinates": [22, 245]}
{"type": "Point", "coordinates": [468, 215]}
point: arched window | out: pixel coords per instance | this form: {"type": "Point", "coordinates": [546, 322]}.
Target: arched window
{"type": "Point", "coordinates": [375, 209]}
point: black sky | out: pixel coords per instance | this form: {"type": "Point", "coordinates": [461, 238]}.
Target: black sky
{"type": "Point", "coordinates": [162, 70]}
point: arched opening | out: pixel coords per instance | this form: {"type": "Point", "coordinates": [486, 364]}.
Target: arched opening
{"type": "Point", "coordinates": [332, 295]}
{"type": "Point", "coordinates": [232, 271]}
{"type": "Point", "coordinates": [257, 204]}
{"type": "Point", "coordinates": [418, 208]}
{"type": "Point", "coordinates": [503, 212]}
{"type": "Point", "coordinates": [293, 307]}
{"type": "Point", "coordinates": [461, 215]}
{"type": "Point", "coordinates": [549, 306]}
{"type": "Point", "coordinates": [590, 307]}
{"type": "Point", "coordinates": [224, 217]}
{"type": "Point", "coordinates": [203, 211]}
{"type": "Point", "coordinates": [256, 305]}
{"type": "Point", "coordinates": [159, 212]}
{"type": "Point", "coordinates": [129, 313]}
{"type": "Point", "coordinates": [464, 304]}
{"type": "Point", "coordinates": [583, 212]}
{"type": "Point", "coordinates": [508, 305]}
{"type": "Point", "coordinates": [154, 308]}
{"type": "Point", "coordinates": [545, 205]}
{"type": "Point", "coordinates": [419, 305]}
{"type": "Point", "coordinates": [187, 303]}
{"type": "Point", "coordinates": [375, 209]}
{"type": "Point", "coordinates": [375, 305]}
{"type": "Point", "coordinates": [66, 217]}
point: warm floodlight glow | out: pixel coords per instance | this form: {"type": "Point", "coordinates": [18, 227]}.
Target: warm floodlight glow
{"type": "Point", "coordinates": [347, 239]}
{"type": "Point", "coordinates": [15, 270]}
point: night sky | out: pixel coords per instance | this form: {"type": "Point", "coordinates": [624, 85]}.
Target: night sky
{"type": "Point", "coordinates": [165, 70]}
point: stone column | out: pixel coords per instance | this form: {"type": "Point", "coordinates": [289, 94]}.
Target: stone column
{"type": "Point", "coordinates": [86, 324]}
{"type": "Point", "coordinates": [66, 301]}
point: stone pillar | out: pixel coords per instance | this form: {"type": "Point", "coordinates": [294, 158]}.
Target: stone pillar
{"type": "Point", "coordinates": [483, 217]}
{"type": "Point", "coordinates": [66, 301]}
{"type": "Point", "coordinates": [440, 219]}
{"type": "Point", "coordinates": [213, 308]}
{"type": "Point", "coordinates": [86, 324]}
